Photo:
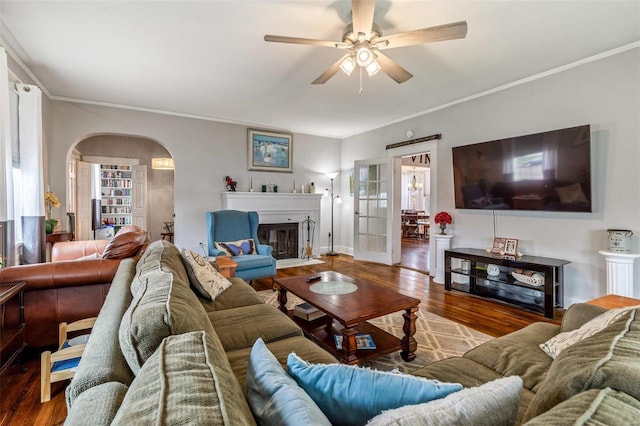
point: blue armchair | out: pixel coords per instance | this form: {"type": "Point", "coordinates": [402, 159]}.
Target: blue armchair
{"type": "Point", "coordinates": [234, 225]}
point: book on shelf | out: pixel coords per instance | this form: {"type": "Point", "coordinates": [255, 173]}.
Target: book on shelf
{"type": "Point", "coordinates": [363, 341]}
{"type": "Point", "coordinates": [307, 312]}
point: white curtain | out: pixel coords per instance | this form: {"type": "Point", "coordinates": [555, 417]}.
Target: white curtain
{"type": "Point", "coordinates": [7, 236]}
{"type": "Point", "coordinates": [32, 165]}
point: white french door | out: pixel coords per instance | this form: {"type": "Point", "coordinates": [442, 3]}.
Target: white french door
{"type": "Point", "coordinates": [373, 210]}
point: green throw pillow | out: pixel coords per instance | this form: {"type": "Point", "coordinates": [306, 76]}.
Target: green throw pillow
{"type": "Point", "coordinates": [350, 395]}
{"type": "Point", "coordinates": [609, 358]}
{"type": "Point", "coordinates": [274, 397]}
{"type": "Point", "coordinates": [495, 403]}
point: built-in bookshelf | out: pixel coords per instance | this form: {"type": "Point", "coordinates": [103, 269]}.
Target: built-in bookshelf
{"type": "Point", "coordinates": [116, 185]}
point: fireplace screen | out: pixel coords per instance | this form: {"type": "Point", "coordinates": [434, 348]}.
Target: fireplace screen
{"type": "Point", "coordinates": [283, 237]}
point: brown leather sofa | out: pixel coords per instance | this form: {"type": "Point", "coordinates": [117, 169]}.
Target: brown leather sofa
{"type": "Point", "coordinates": [65, 289]}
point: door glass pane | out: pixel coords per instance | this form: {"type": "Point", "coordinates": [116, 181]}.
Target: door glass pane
{"type": "Point", "coordinates": [373, 189]}
{"type": "Point", "coordinates": [373, 172]}
{"type": "Point", "coordinates": [362, 207]}
{"type": "Point", "coordinates": [362, 225]}
{"type": "Point", "coordinates": [382, 244]}
{"type": "Point", "coordinates": [382, 226]}
{"type": "Point", "coordinates": [362, 242]}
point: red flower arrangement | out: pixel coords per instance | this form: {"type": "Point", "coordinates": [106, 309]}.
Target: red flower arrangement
{"type": "Point", "coordinates": [442, 219]}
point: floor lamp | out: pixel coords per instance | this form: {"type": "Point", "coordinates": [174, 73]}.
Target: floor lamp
{"type": "Point", "coordinates": [334, 199]}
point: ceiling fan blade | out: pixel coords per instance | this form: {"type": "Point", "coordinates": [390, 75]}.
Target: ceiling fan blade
{"type": "Point", "coordinates": [362, 14]}
{"type": "Point", "coordinates": [426, 35]}
{"type": "Point", "coordinates": [300, 40]}
{"type": "Point", "coordinates": [392, 69]}
{"type": "Point", "coordinates": [330, 72]}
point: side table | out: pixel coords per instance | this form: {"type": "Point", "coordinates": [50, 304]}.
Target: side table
{"type": "Point", "coordinates": [12, 338]}
{"type": "Point", "coordinates": [226, 266]}
{"type": "Point", "coordinates": [612, 301]}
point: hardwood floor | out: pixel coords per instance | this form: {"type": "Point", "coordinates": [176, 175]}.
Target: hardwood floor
{"type": "Point", "coordinates": [20, 391]}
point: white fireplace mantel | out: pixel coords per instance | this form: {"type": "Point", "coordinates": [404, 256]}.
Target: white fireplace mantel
{"type": "Point", "coordinates": [280, 207]}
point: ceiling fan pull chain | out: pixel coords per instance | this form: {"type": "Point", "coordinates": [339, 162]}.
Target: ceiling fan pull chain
{"type": "Point", "coordinates": [361, 91]}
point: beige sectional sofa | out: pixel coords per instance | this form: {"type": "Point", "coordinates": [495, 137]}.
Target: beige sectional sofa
{"type": "Point", "coordinates": [131, 372]}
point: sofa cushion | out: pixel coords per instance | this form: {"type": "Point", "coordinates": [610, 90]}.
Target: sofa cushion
{"type": "Point", "coordinates": [561, 341]}
{"type": "Point", "coordinates": [163, 307]}
{"type": "Point", "coordinates": [609, 358]}
{"type": "Point", "coordinates": [518, 354]}
{"type": "Point", "coordinates": [208, 282]}
{"type": "Point", "coordinates": [101, 401]}
{"type": "Point", "coordinates": [593, 407]}
{"type": "Point", "coordinates": [274, 397]}
{"type": "Point", "coordinates": [239, 294]}
{"type": "Point", "coordinates": [494, 403]}
{"type": "Point", "coordinates": [351, 395]}
{"type": "Point", "coordinates": [125, 243]}
{"type": "Point", "coordinates": [186, 381]}
{"type": "Point", "coordinates": [239, 328]}
{"type": "Point", "coordinates": [254, 261]}
{"type": "Point", "coordinates": [281, 349]}
{"type": "Point", "coordinates": [160, 256]}
{"type": "Point", "coordinates": [102, 363]}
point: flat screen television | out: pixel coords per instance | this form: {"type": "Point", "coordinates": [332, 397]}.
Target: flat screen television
{"type": "Point", "coordinates": [549, 171]}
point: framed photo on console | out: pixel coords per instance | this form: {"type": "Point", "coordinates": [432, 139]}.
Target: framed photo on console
{"type": "Point", "coordinates": [270, 151]}
{"type": "Point", "coordinates": [498, 245]}
{"type": "Point", "coordinates": [511, 246]}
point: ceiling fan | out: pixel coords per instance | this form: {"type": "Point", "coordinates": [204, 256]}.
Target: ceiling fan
{"type": "Point", "coordinates": [364, 41]}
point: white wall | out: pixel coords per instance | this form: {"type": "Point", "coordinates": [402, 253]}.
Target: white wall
{"type": "Point", "coordinates": [204, 153]}
{"type": "Point", "coordinates": [604, 94]}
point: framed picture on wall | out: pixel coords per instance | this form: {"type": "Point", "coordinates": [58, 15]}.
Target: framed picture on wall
{"type": "Point", "coordinates": [270, 151]}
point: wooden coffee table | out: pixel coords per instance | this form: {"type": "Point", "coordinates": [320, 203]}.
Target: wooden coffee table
{"type": "Point", "coordinates": [347, 314]}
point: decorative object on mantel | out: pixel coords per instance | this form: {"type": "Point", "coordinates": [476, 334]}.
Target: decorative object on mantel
{"type": "Point", "coordinates": [443, 219]}
{"type": "Point", "coordinates": [50, 200]}
{"type": "Point", "coordinates": [251, 184]}
{"type": "Point", "coordinates": [231, 184]}
{"type": "Point", "coordinates": [270, 151]}
{"type": "Point", "coordinates": [619, 240]}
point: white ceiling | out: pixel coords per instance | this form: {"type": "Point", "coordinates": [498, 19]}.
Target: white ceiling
{"type": "Point", "coordinates": [208, 59]}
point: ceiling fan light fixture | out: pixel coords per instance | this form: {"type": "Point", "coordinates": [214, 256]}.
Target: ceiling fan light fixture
{"type": "Point", "coordinates": [373, 68]}
{"type": "Point", "coordinates": [364, 56]}
{"type": "Point", "coordinates": [348, 65]}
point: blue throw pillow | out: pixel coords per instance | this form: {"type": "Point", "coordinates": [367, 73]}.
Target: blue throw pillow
{"type": "Point", "coordinates": [274, 397]}
{"type": "Point", "coordinates": [350, 395]}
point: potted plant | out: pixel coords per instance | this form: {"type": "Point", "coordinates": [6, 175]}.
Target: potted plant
{"type": "Point", "coordinates": [50, 200]}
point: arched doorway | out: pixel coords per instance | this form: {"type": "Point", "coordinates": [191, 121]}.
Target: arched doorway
{"type": "Point", "coordinates": [159, 194]}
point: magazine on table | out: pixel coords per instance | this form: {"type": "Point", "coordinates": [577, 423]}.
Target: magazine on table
{"type": "Point", "coordinates": [363, 341]}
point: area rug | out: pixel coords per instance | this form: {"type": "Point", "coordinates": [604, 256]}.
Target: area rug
{"type": "Point", "coordinates": [437, 337]}
{"type": "Point", "coordinates": [292, 263]}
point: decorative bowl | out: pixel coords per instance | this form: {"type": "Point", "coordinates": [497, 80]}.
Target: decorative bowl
{"type": "Point", "coordinates": [536, 279]}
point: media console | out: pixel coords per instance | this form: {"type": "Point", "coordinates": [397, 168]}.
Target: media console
{"type": "Point", "coordinates": [503, 287]}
